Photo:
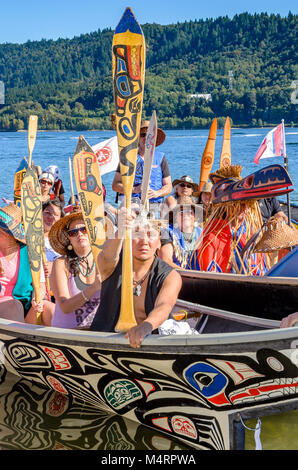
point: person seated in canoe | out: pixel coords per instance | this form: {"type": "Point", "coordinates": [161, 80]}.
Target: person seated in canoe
{"type": "Point", "coordinates": [52, 211]}
{"type": "Point", "coordinates": [179, 240]}
{"type": "Point", "coordinates": [160, 178]}
{"type": "Point", "coordinates": [58, 189]}
{"type": "Point", "coordinates": [270, 207]}
{"type": "Point", "coordinates": [205, 198]}
{"type": "Point", "coordinates": [16, 295]}
{"type": "Point", "coordinates": [183, 186]}
{"type": "Point", "coordinates": [156, 284]}
{"type": "Point", "coordinates": [46, 181]}
{"type": "Point", "coordinates": [75, 282]}
{"type": "Point", "coordinates": [229, 227]}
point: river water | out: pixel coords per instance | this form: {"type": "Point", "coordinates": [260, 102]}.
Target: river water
{"type": "Point", "coordinates": [30, 417]}
{"type": "Point", "coordinates": [183, 149]}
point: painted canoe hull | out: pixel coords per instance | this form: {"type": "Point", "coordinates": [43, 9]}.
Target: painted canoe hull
{"type": "Point", "coordinates": [190, 387]}
{"type": "Point", "coordinates": [261, 296]}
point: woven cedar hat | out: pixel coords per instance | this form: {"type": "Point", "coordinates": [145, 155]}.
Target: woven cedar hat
{"type": "Point", "coordinates": [161, 136]}
{"type": "Point", "coordinates": [277, 235]}
{"type": "Point", "coordinates": [185, 201]}
{"type": "Point", "coordinates": [11, 222]}
{"type": "Point", "coordinates": [182, 202]}
{"type": "Point", "coordinates": [207, 188]}
{"type": "Point", "coordinates": [187, 179]}
{"type": "Point", "coordinates": [58, 234]}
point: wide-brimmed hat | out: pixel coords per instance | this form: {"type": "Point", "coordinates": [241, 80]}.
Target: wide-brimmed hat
{"type": "Point", "coordinates": [185, 201]}
{"type": "Point", "coordinates": [11, 222]}
{"type": "Point", "coordinates": [277, 235]}
{"type": "Point", "coordinates": [58, 237]}
{"type": "Point", "coordinates": [58, 234]}
{"type": "Point", "coordinates": [161, 136]}
{"type": "Point", "coordinates": [186, 179]}
{"type": "Point", "coordinates": [207, 188]}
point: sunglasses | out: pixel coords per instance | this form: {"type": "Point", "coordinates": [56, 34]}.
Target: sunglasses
{"type": "Point", "coordinates": [46, 182]}
{"type": "Point", "coordinates": [185, 185]}
{"type": "Point", "coordinates": [74, 232]}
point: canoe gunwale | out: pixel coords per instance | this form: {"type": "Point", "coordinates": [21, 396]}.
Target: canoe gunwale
{"type": "Point", "coordinates": [155, 344]}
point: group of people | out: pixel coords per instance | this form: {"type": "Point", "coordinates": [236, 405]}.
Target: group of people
{"type": "Point", "coordinates": [78, 291]}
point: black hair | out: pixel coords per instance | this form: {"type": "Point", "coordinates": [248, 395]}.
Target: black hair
{"type": "Point", "coordinates": [54, 202]}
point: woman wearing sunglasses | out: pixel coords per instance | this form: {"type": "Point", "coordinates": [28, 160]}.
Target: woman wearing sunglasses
{"type": "Point", "coordinates": [183, 187]}
{"type": "Point", "coordinates": [75, 282]}
{"type": "Point", "coordinates": [46, 181]}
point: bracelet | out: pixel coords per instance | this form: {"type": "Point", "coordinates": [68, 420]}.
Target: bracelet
{"type": "Point", "coordinates": [84, 296]}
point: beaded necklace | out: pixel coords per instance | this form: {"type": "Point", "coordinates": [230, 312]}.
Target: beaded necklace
{"type": "Point", "coordinates": [89, 270]}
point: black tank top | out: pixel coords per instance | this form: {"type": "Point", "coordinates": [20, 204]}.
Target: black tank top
{"type": "Point", "coordinates": [108, 311]}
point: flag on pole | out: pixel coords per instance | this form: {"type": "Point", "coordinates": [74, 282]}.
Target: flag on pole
{"type": "Point", "coordinates": [273, 145]}
{"type": "Point", "coordinates": [107, 155]}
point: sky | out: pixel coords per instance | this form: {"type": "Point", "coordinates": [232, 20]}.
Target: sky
{"type": "Point", "coordinates": [23, 20]}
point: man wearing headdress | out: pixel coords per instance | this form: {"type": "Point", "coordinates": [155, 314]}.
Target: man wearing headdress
{"type": "Point", "coordinates": [156, 284]}
{"type": "Point", "coordinates": [227, 230]}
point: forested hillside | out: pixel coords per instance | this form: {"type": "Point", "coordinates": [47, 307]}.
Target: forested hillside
{"type": "Point", "coordinates": [248, 65]}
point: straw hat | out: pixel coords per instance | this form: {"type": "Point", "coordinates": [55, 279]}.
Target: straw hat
{"type": "Point", "coordinates": [185, 201]}
{"type": "Point", "coordinates": [207, 188]}
{"type": "Point", "coordinates": [277, 235]}
{"type": "Point", "coordinates": [11, 222]}
{"type": "Point", "coordinates": [58, 234]}
{"type": "Point", "coordinates": [161, 136]}
{"type": "Point", "coordinates": [187, 179]}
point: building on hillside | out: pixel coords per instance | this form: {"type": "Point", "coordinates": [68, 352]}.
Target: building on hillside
{"type": "Point", "coordinates": [205, 96]}
{"type": "Point", "coordinates": [2, 93]}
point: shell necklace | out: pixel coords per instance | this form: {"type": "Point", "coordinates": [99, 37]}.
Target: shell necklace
{"type": "Point", "coordinates": [137, 290]}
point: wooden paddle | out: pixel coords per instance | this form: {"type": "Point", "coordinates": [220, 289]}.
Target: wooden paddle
{"type": "Point", "coordinates": [31, 204]}
{"type": "Point", "coordinates": [83, 145]}
{"type": "Point", "coordinates": [72, 197]}
{"type": "Point", "coordinates": [190, 310]}
{"type": "Point", "coordinates": [89, 188]}
{"type": "Point", "coordinates": [128, 63]}
{"type": "Point", "coordinates": [148, 159]}
{"type": "Point", "coordinates": [32, 130]}
{"type": "Point", "coordinates": [225, 156]}
{"type": "Point", "coordinates": [18, 178]}
{"type": "Point", "coordinates": [208, 155]}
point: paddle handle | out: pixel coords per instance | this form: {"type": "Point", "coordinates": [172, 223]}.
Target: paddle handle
{"type": "Point", "coordinates": [32, 130]}
{"type": "Point", "coordinates": [126, 318]}
{"type": "Point", "coordinates": [72, 198]}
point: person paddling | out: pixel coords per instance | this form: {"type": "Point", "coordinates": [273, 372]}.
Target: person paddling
{"type": "Point", "coordinates": [160, 179]}
{"type": "Point", "coordinates": [156, 284]}
{"type": "Point", "coordinates": [74, 281]}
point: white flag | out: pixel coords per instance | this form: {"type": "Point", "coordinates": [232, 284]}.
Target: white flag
{"type": "Point", "coordinates": [273, 145]}
{"type": "Point", "coordinates": [107, 155]}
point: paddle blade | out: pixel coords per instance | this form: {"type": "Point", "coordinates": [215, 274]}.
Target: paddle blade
{"type": "Point", "coordinates": [31, 204]}
{"type": "Point", "coordinates": [225, 156]}
{"type": "Point", "coordinates": [89, 188]}
{"type": "Point", "coordinates": [83, 146]}
{"type": "Point", "coordinates": [18, 178]}
{"type": "Point", "coordinates": [32, 130]}
{"type": "Point", "coordinates": [208, 155]}
{"type": "Point", "coordinates": [148, 156]}
{"type": "Point", "coordinates": [128, 65]}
